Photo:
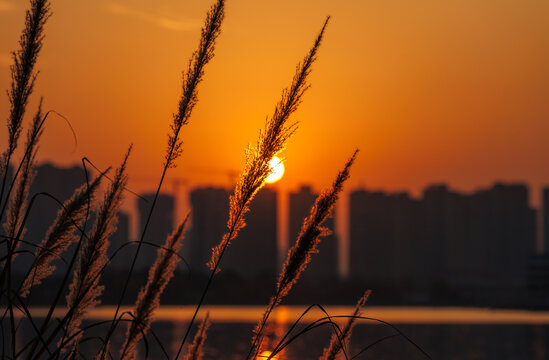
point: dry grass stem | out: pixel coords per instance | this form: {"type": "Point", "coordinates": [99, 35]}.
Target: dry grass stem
{"type": "Point", "coordinates": [271, 141]}
{"type": "Point", "coordinates": [196, 351]}
{"type": "Point", "coordinates": [148, 300]}
{"type": "Point", "coordinates": [17, 203]}
{"type": "Point", "coordinates": [60, 235]}
{"type": "Point", "coordinates": [22, 70]}
{"type": "Point", "coordinates": [311, 231]}
{"type": "Point", "coordinates": [193, 76]}
{"type": "Point", "coordinates": [85, 289]}
{"type": "Point", "coordinates": [337, 343]}
{"type": "Point", "coordinates": [306, 244]}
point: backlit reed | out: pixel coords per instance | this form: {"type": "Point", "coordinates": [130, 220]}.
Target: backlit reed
{"type": "Point", "coordinates": [271, 141]}
{"type": "Point", "coordinates": [23, 77]}
{"type": "Point", "coordinates": [196, 350]}
{"type": "Point", "coordinates": [148, 299]}
{"type": "Point", "coordinates": [60, 235]}
{"type": "Point", "coordinates": [339, 342]}
{"type": "Point", "coordinates": [306, 244]}
{"type": "Point", "coordinates": [193, 76]}
{"type": "Point", "coordinates": [85, 289]}
{"type": "Point", "coordinates": [17, 203]}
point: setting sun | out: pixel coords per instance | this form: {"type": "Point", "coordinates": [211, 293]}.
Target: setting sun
{"type": "Point", "coordinates": [265, 354]}
{"type": "Point", "coordinates": [277, 170]}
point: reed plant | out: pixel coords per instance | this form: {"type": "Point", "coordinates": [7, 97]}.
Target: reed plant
{"type": "Point", "coordinates": [148, 300]}
{"type": "Point", "coordinates": [196, 351]}
{"type": "Point", "coordinates": [63, 338]}
{"type": "Point", "coordinates": [339, 342]}
{"type": "Point", "coordinates": [299, 255]}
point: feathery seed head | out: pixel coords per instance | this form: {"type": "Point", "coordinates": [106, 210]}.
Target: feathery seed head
{"type": "Point", "coordinates": [193, 76]}
{"type": "Point", "coordinates": [17, 204]}
{"type": "Point", "coordinates": [60, 235]}
{"type": "Point", "coordinates": [337, 343]}
{"type": "Point", "coordinates": [271, 141]}
{"type": "Point", "coordinates": [85, 289]}
{"type": "Point", "coordinates": [195, 351]}
{"type": "Point", "coordinates": [300, 254]}
{"type": "Point", "coordinates": [148, 299]}
{"type": "Point", "coordinates": [22, 70]}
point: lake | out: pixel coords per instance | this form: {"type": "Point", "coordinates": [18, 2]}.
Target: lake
{"type": "Point", "coordinates": [443, 333]}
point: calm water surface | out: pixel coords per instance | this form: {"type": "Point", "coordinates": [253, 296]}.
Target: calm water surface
{"type": "Point", "coordinates": [444, 333]}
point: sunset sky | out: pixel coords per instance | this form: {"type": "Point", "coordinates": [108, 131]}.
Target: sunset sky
{"type": "Point", "coordinates": [429, 91]}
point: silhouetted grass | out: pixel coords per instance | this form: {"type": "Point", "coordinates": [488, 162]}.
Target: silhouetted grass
{"type": "Point", "coordinates": [63, 337]}
{"type": "Point", "coordinates": [300, 254]}
{"type": "Point", "coordinates": [148, 300]}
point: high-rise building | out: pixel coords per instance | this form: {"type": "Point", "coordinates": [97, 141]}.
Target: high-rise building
{"type": "Point", "coordinates": [545, 226]}
{"type": "Point", "coordinates": [506, 230]}
{"type": "Point", "coordinates": [118, 239]}
{"type": "Point", "coordinates": [253, 254]}
{"type": "Point", "coordinates": [209, 215]}
{"type": "Point", "coordinates": [324, 264]}
{"type": "Point", "coordinates": [160, 226]}
{"type": "Point", "coordinates": [385, 239]}
{"type": "Point", "coordinates": [59, 183]}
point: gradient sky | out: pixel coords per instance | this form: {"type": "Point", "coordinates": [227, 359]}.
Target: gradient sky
{"type": "Point", "coordinates": [428, 90]}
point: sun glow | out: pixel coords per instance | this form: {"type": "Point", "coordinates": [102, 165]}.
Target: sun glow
{"type": "Point", "coordinates": [265, 355]}
{"type": "Point", "coordinates": [277, 170]}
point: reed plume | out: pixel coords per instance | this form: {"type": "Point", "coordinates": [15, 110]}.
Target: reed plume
{"type": "Point", "coordinates": [306, 244]}
{"type": "Point", "coordinates": [196, 351]}
{"type": "Point", "coordinates": [191, 79]}
{"type": "Point", "coordinates": [23, 76]}
{"type": "Point", "coordinates": [338, 343]}
{"type": "Point", "coordinates": [84, 289]}
{"type": "Point", "coordinates": [189, 98]}
{"type": "Point", "coordinates": [60, 235]}
{"type": "Point", "coordinates": [17, 204]}
{"type": "Point", "coordinates": [148, 300]}
{"type": "Point", "coordinates": [271, 141]}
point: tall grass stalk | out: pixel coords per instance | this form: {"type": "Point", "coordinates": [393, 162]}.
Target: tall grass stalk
{"type": "Point", "coordinates": [148, 299]}
{"type": "Point", "coordinates": [85, 289]}
{"type": "Point", "coordinates": [339, 342]}
{"type": "Point", "coordinates": [196, 350]}
{"type": "Point", "coordinates": [17, 204]}
{"type": "Point", "coordinates": [23, 78]}
{"type": "Point", "coordinates": [271, 141]}
{"type": "Point", "coordinates": [300, 254]}
{"type": "Point", "coordinates": [191, 79]}
{"type": "Point", "coordinates": [60, 235]}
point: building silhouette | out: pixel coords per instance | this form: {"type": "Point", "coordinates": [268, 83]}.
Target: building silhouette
{"type": "Point", "coordinates": [386, 247]}
{"type": "Point", "coordinates": [445, 247]}
{"type": "Point", "coordinates": [59, 183]}
{"type": "Point", "coordinates": [160, 226]}
{"type": "Point", "coordinates": [209, 215]}
{"type": "Point", "coordinates": [254, 253]}
{"type": "Point", "coordinates": [117, 243]}
{"type": "Point", "coordinates": [545, 222]}
{"type": "Point", "coordinates": [324, 264]}
{"type": "Point", "coordinates": [477, 245]}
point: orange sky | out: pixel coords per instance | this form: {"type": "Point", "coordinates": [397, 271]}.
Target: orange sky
{"type": "Point", "coordinates": [429, 90]}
